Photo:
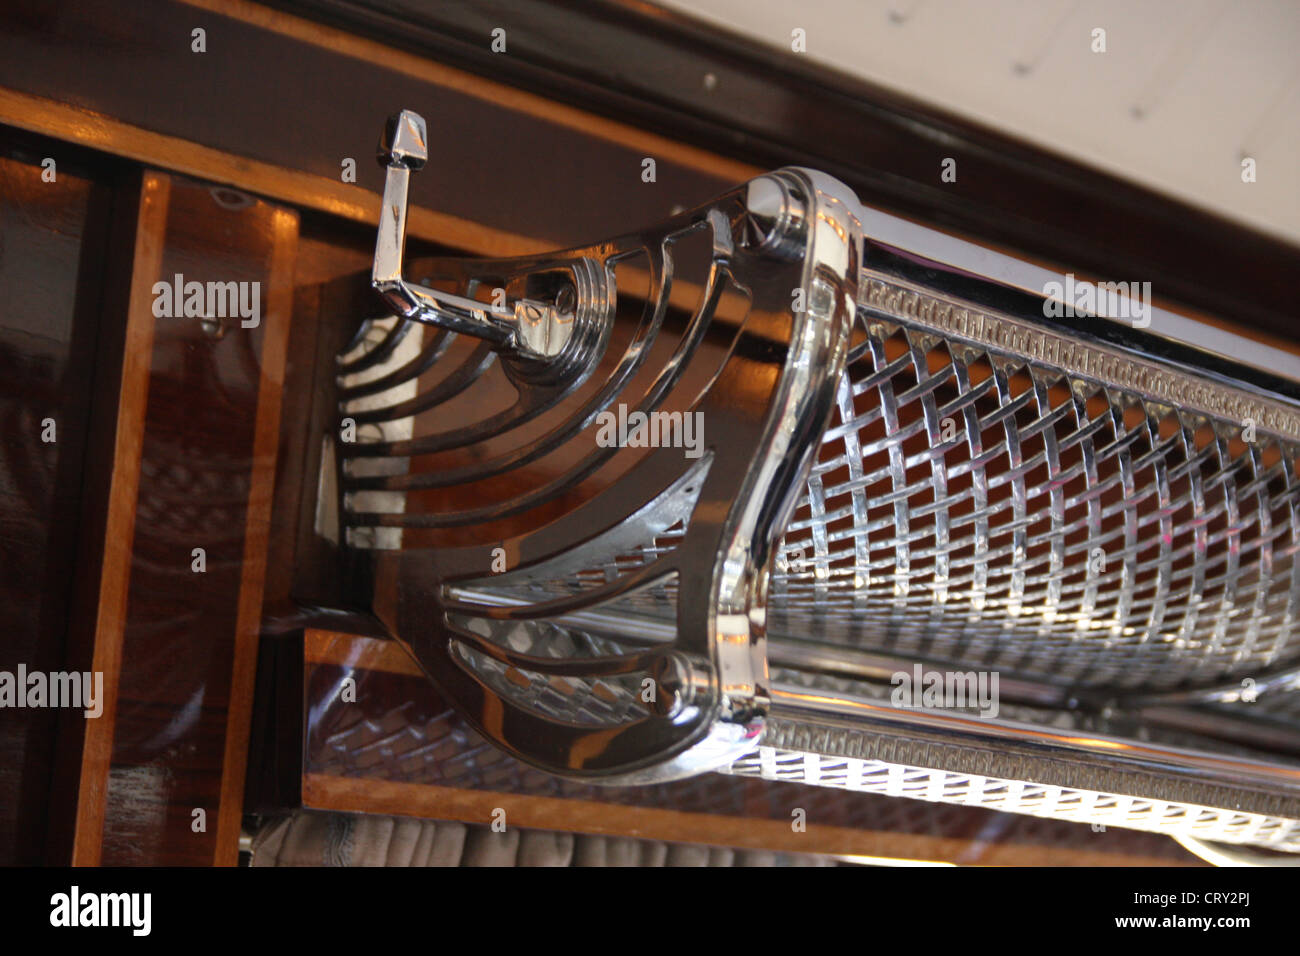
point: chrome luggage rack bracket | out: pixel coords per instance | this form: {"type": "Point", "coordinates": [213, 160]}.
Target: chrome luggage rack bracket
{"type": "Point", "coordinates": [898, 464]}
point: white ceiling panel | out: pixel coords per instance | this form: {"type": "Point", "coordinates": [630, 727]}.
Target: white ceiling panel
{"type": "Point", "coordinates": [1185, 90]}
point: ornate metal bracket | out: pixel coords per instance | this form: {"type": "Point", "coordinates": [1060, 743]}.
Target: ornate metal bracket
{"type": "Point", "coordinates": [528, 654]}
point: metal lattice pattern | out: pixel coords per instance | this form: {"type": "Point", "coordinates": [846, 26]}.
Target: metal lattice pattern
{"type": "Point", "coordinates": [969, 506]}
{"type": "Point", "coordinates": [1018, 796]}
{"type": "Point", "coordinates": [596, 702]}
{"type": "Point", "coordinates": [658, 599]}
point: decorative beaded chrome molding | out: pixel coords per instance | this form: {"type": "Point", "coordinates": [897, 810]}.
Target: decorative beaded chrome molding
{"type": "Point", "coordinates": [953, 317]}
{"type": "Point", "coordinates": [1020, 796]}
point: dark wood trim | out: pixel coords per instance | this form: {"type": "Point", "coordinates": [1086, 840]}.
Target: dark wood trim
{"type": "Point", "coordinates": [71, 124]}
{"type": "Point", "coordinates": [352, 650]}
{"type": "Point", "coordinates": [302, 98]}
{"type": "Point", "coordinates": [393, 57]}
{"type": "Point", "coordinates": [645, 65]}
{"type": "Point", "coordinates": [275, 747]}
{"type": "Point", "coordinates": [67, 528]}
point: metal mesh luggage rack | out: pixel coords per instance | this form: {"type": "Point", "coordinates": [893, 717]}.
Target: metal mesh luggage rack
{"type": "Point", "coordinates": [900, 467]}
{"type": "Point", "coordinates": [973, 506]}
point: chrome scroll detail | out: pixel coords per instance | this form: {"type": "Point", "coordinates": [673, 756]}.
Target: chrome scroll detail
{"type": "Point", "coordinates": [639, 465]}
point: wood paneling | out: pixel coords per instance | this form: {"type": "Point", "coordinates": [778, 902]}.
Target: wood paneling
{"type": "Point", "coordinates": [299, 100]}
{"type": "Point", "coordinates": [279, 310]}
{"type": "Point", "coordinates": [583, 816]}
{"type": "Point", "coordinates": [194, 465]}
{"type": "Point", "coordinates": [398, 749]}
{"type": "Point", "coordinates": [425, 69]}
{"type": "Point", "coordinates": [110, 618]}
{"type": "Point", "coordinates": [76, 125]}
{"type": "Point", "coordinates": [53, 234]}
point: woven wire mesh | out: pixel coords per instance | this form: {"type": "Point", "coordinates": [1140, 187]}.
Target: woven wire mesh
{"type": "Point", "coordinates": [971, 506]}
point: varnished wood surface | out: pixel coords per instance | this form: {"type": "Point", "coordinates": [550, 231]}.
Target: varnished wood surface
{"type": "Point", "coordinates": [642, 139]}
{"type": "Point", "coordinates": [398, 750]}
{"type": "Point", "coordinates": [86, 128]}
{"type": "Point", "coordinates": [353, 651]}
{"type": "Point", "coordinates": [110, 617]}
{"type": "Point", "coordinates": [194, 464]}
{"type": "Point", "coordinates": [291, 100]}
{"type": "Point", "coordinates": [279, 309]}
{"type": "Point", "coordinates": [53, 237]}
{"type": "Point", "coordinates": [582, 816]}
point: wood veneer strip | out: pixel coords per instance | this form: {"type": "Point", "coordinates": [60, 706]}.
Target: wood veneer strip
{"type": "Point", "coordinates": [358, 795]}
{"type": "Point", "coordinates": [390, 58]}
{"type": "Point", "coordinates": [349, 201]}
{"type": "Point", "coordinates": [363, 653]}
{"type": "Point", "coordinates": [266, 439]}
{"type": "Point", "coordinates": [115, 574]}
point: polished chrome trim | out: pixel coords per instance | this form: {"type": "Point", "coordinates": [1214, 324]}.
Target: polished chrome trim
{"type": "Point", "coordinates": [970, 257]}
{"type": "Point", "coordinates": [533, 329]}
{"type": "Point", "coordinates": [789, 244]}
{"type": "Point", "coordinates": [853, 727]}
{"type": "Point", "coordinates": [1163, 382]}
{"type": "Point", "coordinates": [710, 655]}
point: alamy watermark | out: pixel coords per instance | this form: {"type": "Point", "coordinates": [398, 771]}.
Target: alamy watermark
{"type": "Point", "coordinates": [637, 429]}
{"type": "Point", "coordinates": [131, 911]}
{"type": "Point", "coordinates": [1113, 300]}
{"type": "Point", "coordinates": [209, 300]}
{"type": "Point", "coordinates": [75, 689]}
{"type": "Point", "coordinates": [945, 690]}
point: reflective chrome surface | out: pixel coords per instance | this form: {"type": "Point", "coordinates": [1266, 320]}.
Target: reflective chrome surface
{"type": "Point", "coordinates": [899, 462]}
{"type": "Point", "coordinates": [1044, 505]}
{"type": "Point", "coordinates": [531, 328]}
{"type": "Point", "coordinates": [515, 491]}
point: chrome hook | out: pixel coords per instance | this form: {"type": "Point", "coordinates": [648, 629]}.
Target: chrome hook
{"type": "Point", "coordinates": [532, 329]}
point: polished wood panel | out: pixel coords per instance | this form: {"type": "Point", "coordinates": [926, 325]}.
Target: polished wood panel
{"type": "Point", "coordinates": [304, 102]}
{"type": "Point", "coordinates": [639, 137]}
{"type": "Point", "coordinates": [110, 618]}
{"type": "Point", "coordinates": [331, 255]}
{"type": "Point", "coordinates": [363, 653]}
{"type": "Point", "coordinates": [398, 749]}
{"type": "Point", "coordinates": [53, 239]}
{"type": "Point", "coordinates": [279, 303]}
{"type": "Point", "coordinates": [89, 129]}
{"type": "Point", "coordinates": [194, 465]}
{"type": "Point", "coordinates": [344, 794]}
